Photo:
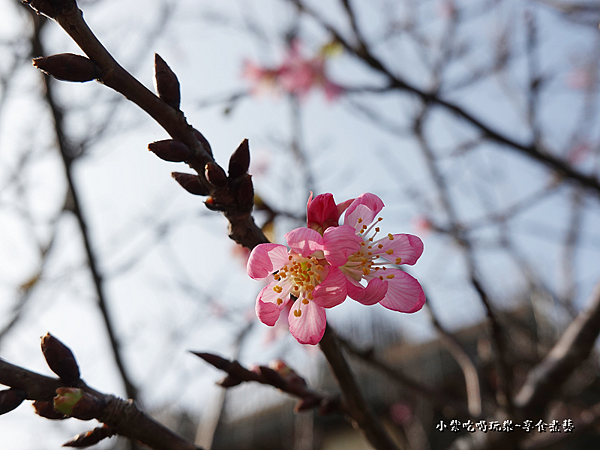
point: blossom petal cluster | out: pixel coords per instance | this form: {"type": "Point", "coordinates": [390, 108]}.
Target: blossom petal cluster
{"type": "Point", "coordinates": [296, 75]}
{"type": "Point", "coordinates": [327, 262]}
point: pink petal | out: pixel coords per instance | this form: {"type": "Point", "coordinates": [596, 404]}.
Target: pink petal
{"type": "Point", "coordinates": [332, 291]}
{"type": "Point", "coordinates": [309, 327]}
{"type": "Point", "coordinates": [341, 207]}
{"type": "Point", "coordinates": [267, 308]}
{"type": "Point", "coordinates": [373, 293]}
{"type": "Point", "coordinates": [407, 247]}
{"type": "Point", "coordinates": [266, 259]}
{"type": "Point", "coordinates": [304, 241]}
{"type": "Point", "coordinates": [339, 243]}
{"type": "Point", "coordinates": [365, 207]}
{"type": "Point", "coordinates": [404, 293]}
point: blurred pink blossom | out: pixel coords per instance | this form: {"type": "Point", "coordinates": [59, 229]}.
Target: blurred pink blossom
{"type": "Point", "coordinates": [296, 75]}
{"type": "Point", "coordinates": [581, 78]}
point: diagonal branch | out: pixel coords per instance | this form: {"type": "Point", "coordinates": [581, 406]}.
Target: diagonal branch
{"type": "Point", "coordinates": [122, 416]}
{"type": "Point", "coordinates": [233, 197]}
{"type": "Point", "coordinates": [354, 403]}
{"type": "Point", "coordinates": [574, 347]}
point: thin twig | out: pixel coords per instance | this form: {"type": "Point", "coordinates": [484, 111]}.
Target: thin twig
{"type": "Point", "coordinates": [121, 415]}
{"type": "Point", "coordinates": [533, 149]}
{"type": "Point", "coordinates": [67, 154]}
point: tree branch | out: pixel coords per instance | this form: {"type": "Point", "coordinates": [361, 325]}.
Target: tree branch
{"type": "Point", "coordinates": [355, 405]}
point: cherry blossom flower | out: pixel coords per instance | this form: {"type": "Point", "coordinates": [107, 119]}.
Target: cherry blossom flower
{"type": "Point", "coordinates": [304, 276]}
{"type": "Point", "coordinates": [372, 261]}
{"type": "Point", "coordinates": [327, 261]}
{"type": "Point", "coordinates": [296, 75]}
{"type": "Point", "coordinates": [262, 79]}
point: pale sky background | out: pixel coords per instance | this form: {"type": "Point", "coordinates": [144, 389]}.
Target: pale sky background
{"type": "Point", "coordinates": [188, 291]}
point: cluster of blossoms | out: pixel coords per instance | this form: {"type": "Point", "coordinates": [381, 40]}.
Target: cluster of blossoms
{"type": "Point", "coordinates": [327, 262]}
{"type": "Point", "coordinates": [296, 75]}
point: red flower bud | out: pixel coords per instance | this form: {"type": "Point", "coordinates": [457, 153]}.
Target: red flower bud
{"type": "Point", "coordinates": [239, 161]}
{"type": "Point", "coordinates": [69, 67]}
{"type": "Point", "coordinates": [10, 399]}
{"type": "Point", "coordinates": [167, 84]}
{"type": "Point", "coordinates": [190, 183]}
{"type": "Point", "coordinates": [60, 359]}
{"type": "Point", "coordinates": [215, 175]}
{"type": "Point", "coordinates": [170, 150]}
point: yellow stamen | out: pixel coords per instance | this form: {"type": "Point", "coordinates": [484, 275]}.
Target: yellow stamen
{"type": "Point", "coordinates": [297, 312]}
{"type": "Point", "coordinates": [390, 276]}
{"type": "Point", "coordinates": [398, 260]}
{"type": "Point", "coordinates": [390, 236]}
{"type": "Point", "coordinates": [279, 301]}
{"type": "Point", "coordinates": [304, 301]}
{"type": "Point", "coordinates": [389, 251]}
{"type": "Point", "coordinates": [278, 289]}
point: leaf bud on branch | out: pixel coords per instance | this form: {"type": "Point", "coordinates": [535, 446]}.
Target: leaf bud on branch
{"type": "Point", "coordinates": [91, 437]}
{"type": "Point", "coordinates": [69, 67]}
{"type": "Point", "coordinates": [170, 150]}
{"type": "Point", "coordinates": [215, 175]}
{"type": "Point", "coordinates": [190, 183]}
{"type": "Point", "coordinates": [239, 161]}
{"type": "Point", "coordinates": [46, 410]}
{"type": "Point", "coordinates": [166, 82]}
{"type": "Point", "coordinates": [77, 403]}
{"type": "Point", "coordinates": [60, 359]}
{"type": "Point", "coordinates": [51, 8]}
{"type": "Point", "coordinates": [10, 399]}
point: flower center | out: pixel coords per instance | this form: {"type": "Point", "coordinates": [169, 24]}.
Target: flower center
{"type": "Point", "coordinates": [362, 263]}
{"type": "Point", "coordinates": [300, 277]}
